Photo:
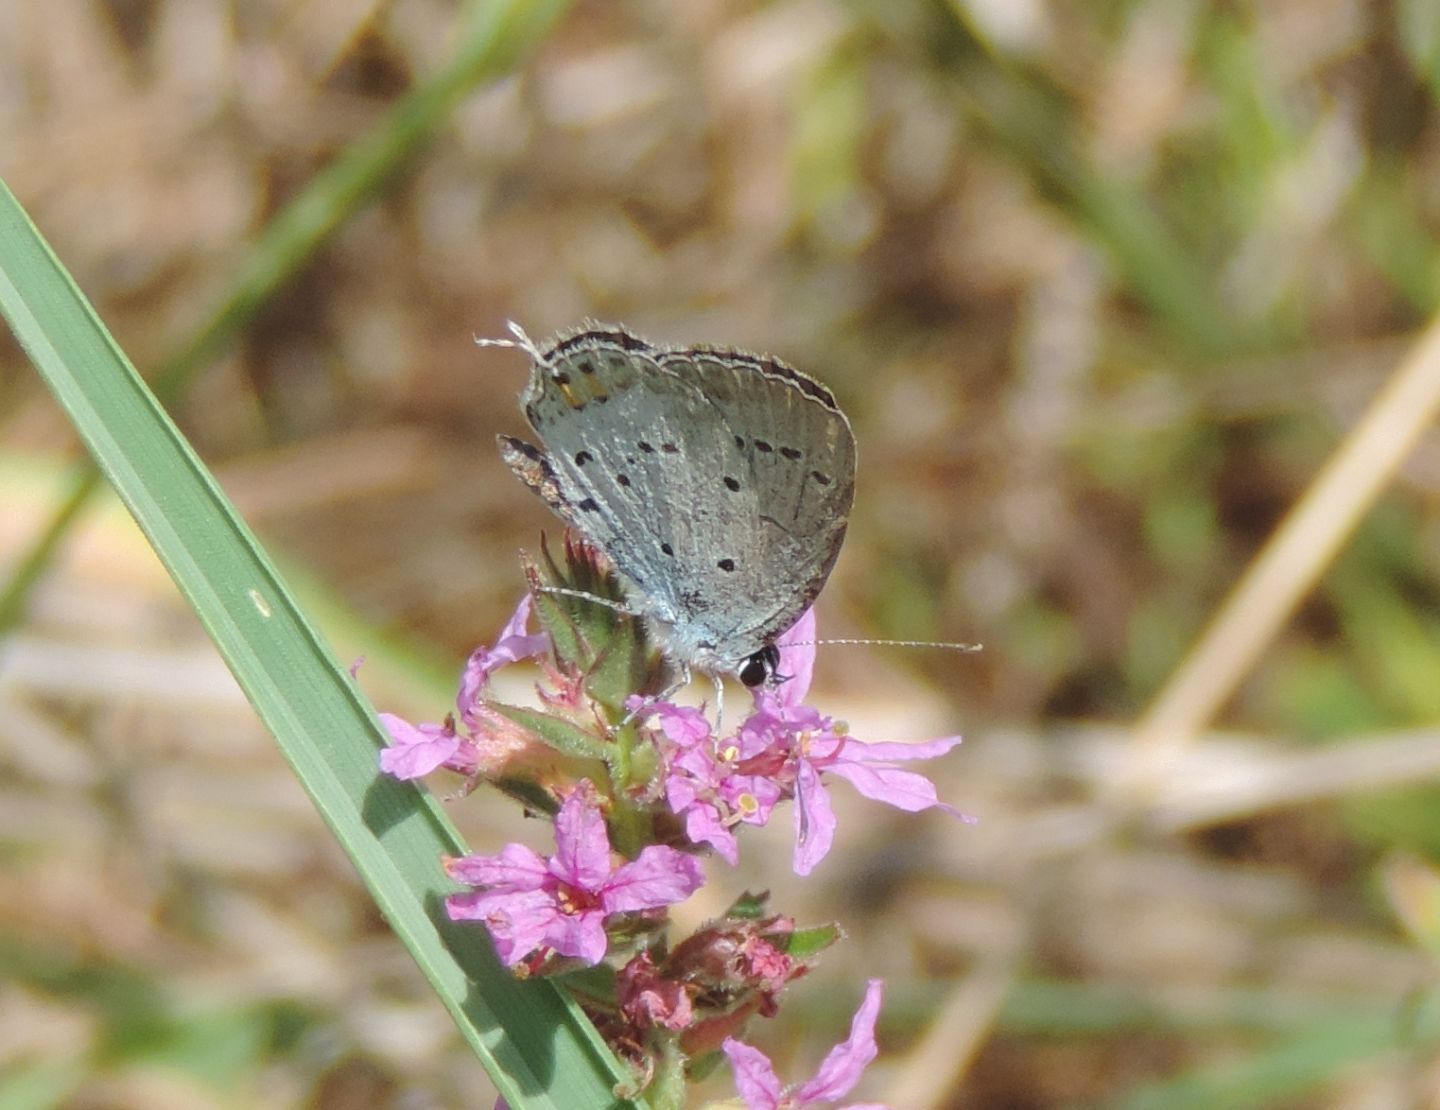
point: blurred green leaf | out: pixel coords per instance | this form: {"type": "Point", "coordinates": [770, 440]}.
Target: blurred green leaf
{"type": "Point", "coordinates": [1315, 693]}
{"type": "Point", "coordinates": [1407, 819]}
{"type": "Point", "coordinates": [1395, 238]}
{"type": "Point", "coordinates": [39, 1084]}
{"type": "Point", "coordinates": [831, 115]}
{"type": "Point", "coordinates": [1417, 26]}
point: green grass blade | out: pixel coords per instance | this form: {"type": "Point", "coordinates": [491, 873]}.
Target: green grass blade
{"type": "Point", "coordinates": [538, 1048]}
{"type": "Point", "coordinates": [494, 35]}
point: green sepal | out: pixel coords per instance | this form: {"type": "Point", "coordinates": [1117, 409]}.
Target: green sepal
{"type": "Point", "coordinates": [558, 614]}
{"type": "Point", "coordinates": [667, 1087]}
{"type": "Point", "coordinates": [608, 647]}
{"type": "Point", "coordinates": [749, 906]}
{"type": "Point", "coordinates": [802, 944]}
{"type": "Point", "coordinates": [554, 732]}
{"type": "Point", "coordinates": [702, 1064]}
{"type": "Point", "coordinates": [529, 793]}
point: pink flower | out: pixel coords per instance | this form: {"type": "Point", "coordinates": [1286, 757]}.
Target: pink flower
{"type": "Point", "coordinates": [704, 785]}
{"type": "Point", "coordinates": [562, 903]}
{"type": "Point", "coordinates": [514, 644]}
{"type": "Point", "coordinates": [790, 746]}
{"type": "Point", "coordinates": [416, 750]}
{"type": "Point", "coordinates": [693, 778]}
{"type": "Point", "coordinates": [758, 1085]}
{"type": "Point", "coordinates": [779, 752]}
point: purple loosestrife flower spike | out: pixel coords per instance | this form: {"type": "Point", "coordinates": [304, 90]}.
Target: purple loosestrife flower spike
{"type": "Point", "coordinates": [563, 903]}
{"type": "Point", "coordinates": [758, 1085]}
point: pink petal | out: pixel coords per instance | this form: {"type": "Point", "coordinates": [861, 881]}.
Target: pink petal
{"type": "Point", "coordinates": [753, 797]}
{"type": "Point", "coordinates": [514, 644]}
{"type": "Point", "coordinates": [518, 923]}
{"type": "Point", "coordinates": [842, 1068]}
{"type": "Point", "coordinates": [514, 868]}
{"type": "Point", "coordinates": [755, 1078]}
{"type": "Point", "coordinates": [582, 846]}
{"type": "Point", "coordinates": [417, 750]}
{"type": "Point", "coordinates": [580, 935]}
{"type": "Point", "coordinates": [681, 724]}
{"type": "Point", "coordinates": [814, 820]}
{"type": "Point", "coordinates": [680, 793]}
{"type": "Point", "coordinates": [658, 876]}
{"type": "Point", "coordinates": [697, 763]}
{"type": "Point", "coordinates": [905, 790]}
{"type": "Point", "coordinates": [704, 826]}
{"type": "Point", "coordinates": [797, 659]}
{"type": "Point", "coordinates": [666, 1004]}
{"type": "Point", "coordinates": [891, 751]}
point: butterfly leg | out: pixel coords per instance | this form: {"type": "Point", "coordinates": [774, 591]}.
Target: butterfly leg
{"type": "Point", "coordinates": [565, 591]}
{"type": "Point", "coordinates": [664, 695]}
{"type": "Point", "coordinates": [719, 704]}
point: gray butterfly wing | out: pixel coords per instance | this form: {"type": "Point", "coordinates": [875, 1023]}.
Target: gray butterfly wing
{"type": "Point", "coordinates": [797, 484]}
{"type": "Point", "coordinates": [718, 484]}
{"type": "Point", "coordinates": [611, 421]}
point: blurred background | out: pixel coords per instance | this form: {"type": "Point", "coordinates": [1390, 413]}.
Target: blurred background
{"type": "Point", "coordinates": [1103, 288]}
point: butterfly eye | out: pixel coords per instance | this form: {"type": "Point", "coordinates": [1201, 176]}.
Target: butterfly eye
{"type": "Point", "coordinates": [757, 669]}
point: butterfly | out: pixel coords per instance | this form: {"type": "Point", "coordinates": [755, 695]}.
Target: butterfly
{"type": "Point", "coordinates": [719, 483]}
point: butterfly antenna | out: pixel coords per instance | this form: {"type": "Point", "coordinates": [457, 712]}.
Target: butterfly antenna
{"type": "Point", "coordinates": [521, 342]}
{"type": "Point", "coordinates": [941, 645]}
